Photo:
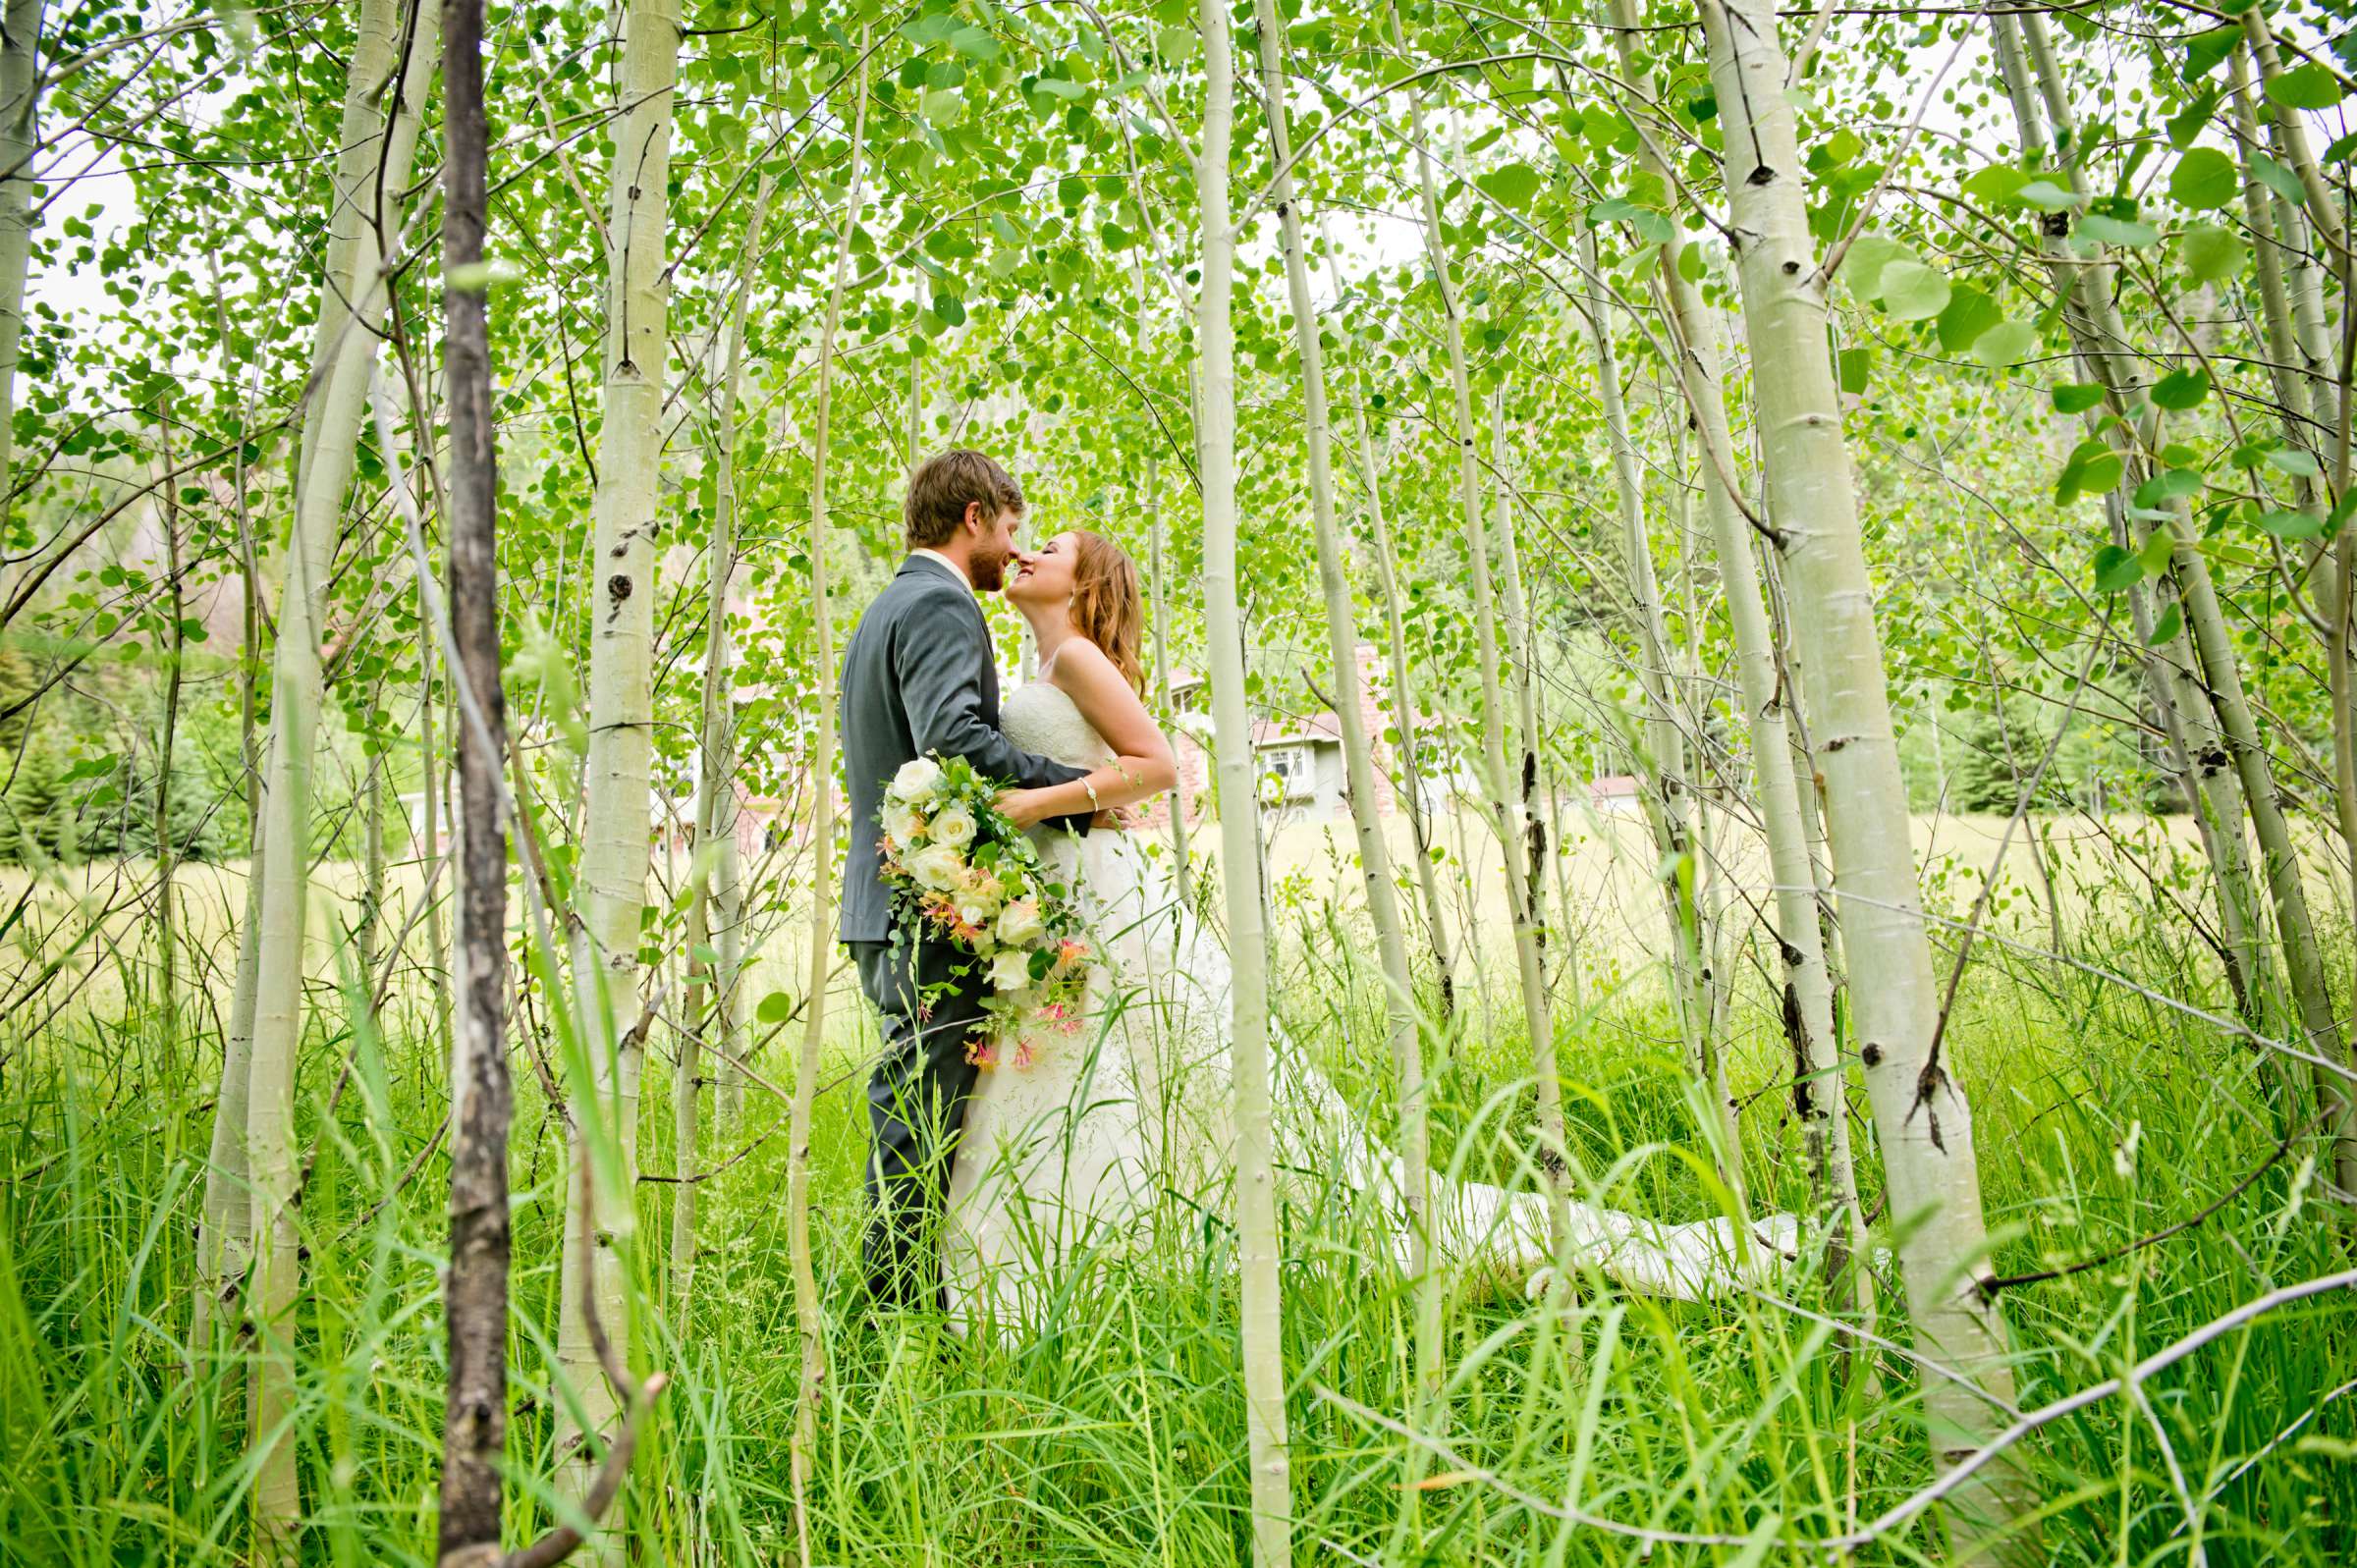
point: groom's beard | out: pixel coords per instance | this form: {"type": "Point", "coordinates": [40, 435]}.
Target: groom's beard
{"type": "Point", "coordinates": [988, 567]}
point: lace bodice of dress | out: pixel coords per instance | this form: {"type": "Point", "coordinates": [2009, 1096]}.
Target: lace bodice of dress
{"type": "Point", "coordinates": [1041, 719]}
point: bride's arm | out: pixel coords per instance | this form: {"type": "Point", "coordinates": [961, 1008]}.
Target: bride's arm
{"type": "Point", "coordinates": [1142, 766]}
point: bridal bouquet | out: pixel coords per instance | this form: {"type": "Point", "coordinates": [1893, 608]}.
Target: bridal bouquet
{"type": "Point", "coordinates": [953, 861]}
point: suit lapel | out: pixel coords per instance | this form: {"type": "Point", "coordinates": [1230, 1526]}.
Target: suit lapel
{"type": "Point", "coordinates": [926, 566]}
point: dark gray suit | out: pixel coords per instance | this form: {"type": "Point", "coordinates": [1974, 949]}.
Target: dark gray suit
{"type": "Point", "coordinates": [918, 677]}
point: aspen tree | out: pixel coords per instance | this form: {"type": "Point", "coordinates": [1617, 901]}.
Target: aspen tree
{"type": "Point", "coordinates": [1267, 1460]}
{"type": "Point", "coordinates": [475, 1410]}
{"type": "Point", "coordinates": [385, 74]}
{"type": "Point", "coordinates": [1920, 1110]}
{"type": "Point", "coordinates": [626, 519]}
{"type": "Point", "coordinates": [1522, 665]}
{"type": "Point", "coordinates": [2212, 792]}
{"type": "Point", "coordinates": [1669, 802]}
{"type": "Point", "coordinates": [1374, 851]}
{"type": "Point", "coordinates": [1820, 1097]}
{"type": "Point", "coordinates": [809, 1314]}
{"type": "Point", "coordinates": [2221, 692]}
{"type": "Point", "coordinates": [1404, 704]}
{"type": "Point", "coordinates": [711, 999]}
{"type": "Point", "coordinates": [20, 103]}
{"type": "Point", "coordinates": [1504, 810]}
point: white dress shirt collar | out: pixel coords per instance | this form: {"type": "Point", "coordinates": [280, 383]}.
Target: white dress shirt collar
{"type": "Point", "coordinates": [935, 555]}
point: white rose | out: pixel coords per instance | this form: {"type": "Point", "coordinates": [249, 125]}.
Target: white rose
{"type": "Point", "coordinates": [973, 908]}
{"type": "Point", "coordinates": [1021, 925]}
{"type": "Point", "coordinates": [1010, 971]}
{"type": "Point", "coordinates": [919, 779]}
{"type": "Point", "coordinates": [954, 826]}
{"type": "Point", "coordinates": [937, 867]}
{"type": "Point", "coordinates": [902, 824]}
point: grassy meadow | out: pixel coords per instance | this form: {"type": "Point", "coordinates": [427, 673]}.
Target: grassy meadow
{"type": "Point", "coordinates": [2104, 1114]}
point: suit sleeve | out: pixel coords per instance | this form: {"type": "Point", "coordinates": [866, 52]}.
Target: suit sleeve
{"type": "Point", "coordinates": [938, 657]}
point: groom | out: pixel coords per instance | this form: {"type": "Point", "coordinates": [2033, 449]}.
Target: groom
{"type": "Point", "coordinates": [919, 677]}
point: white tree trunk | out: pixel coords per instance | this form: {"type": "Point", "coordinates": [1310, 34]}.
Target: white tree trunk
{"type": "Point", "coordinates": [626, 519]}
{"type": "Point", "coordinates": [1358, 761]}
{"type": "Point", "coordinates": [1505, 813]}
{"type": "Point", "coordinates": [710, 1003]}
{"type": "Point", "coordinates": [1919, 1105]}
{"type": "Point", "coordinates": [809, 1314]}
{"type": "Point", "coordinates": [20, 103]}
{"type": "Point", "coordinates": [1267, 1458]}
{"type": "Point", "coordinates": [1820, 1095]}
{"type": "Point", "coordinates": [331, 437]}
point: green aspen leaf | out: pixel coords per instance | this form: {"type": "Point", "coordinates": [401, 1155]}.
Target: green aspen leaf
{"type": "Point", "coordinates": [1914, 292]}
{"type": "Point", "coordinates": [2159, 546]}
{"type": "Point", "coordinates": [2203, 179]}
{"type": "Point", "coordinates": [2169, 484]}
{"type": "Point", "coordinates": [2005, 344]}
{"type": "Point", "coordinates": [775, 1007]}
{"type": "Point", "coordinates": [2116, 567]}
{"type": "Point", "coordinates": [1968, 313]}
{"type": "Point", "coordinates": [2047, 196]}
{"type": "Point", "coordinates": [943, 107]}
{"type": "Point", "coordinates": [2203, 51]}
{"type": "Point", "coordinates": [2213, 253]}
{"type": "Point", "coordinates": [2307, 86]}
{"type": "Point", "coordinates": [1177, 44]}
{"type": "Point", "coordinates": [1996, 186]}
{"type": "Point", "coordinates": [1513, 184]}
{"type": "Point", "coordinates": [1869, 255]}
{"type": "Point", "coordinates": [2076, 396]}
{"type": "Point", "coordinates": [2105, 229]}
{"type": "Point", "coordinates": [1115, 237]}
{"type": "Point", "coordinates": [2297, 462]}
{"type": "Point", "coordinates": [1691, 264]}
{"type": "Point", "coordinates": [2342, 510]}
{"type": "Point", "coordinates": [926, 31]}
{"type": "Point", "coordinates": [1654, 227]}
{"type": "Point", "coordinates": [950, 308]}
{"type": "Point", "coordinates": [2180, 390]}
{"type": "Point", "coordinates": [1855, 363]}
{"type": "Point", "coordinates": [2166, 629]}
{"type": "Point", "coordinates": [975, 43]}
{"type": "Point", "coordinates": [2278, 179]}
{"type": "Point", "coordinates": [2186, 126]}
{"type": "Point", "coordinates": [2092, 469]}
{"type": "Point", "coordinates": [2291, 524]}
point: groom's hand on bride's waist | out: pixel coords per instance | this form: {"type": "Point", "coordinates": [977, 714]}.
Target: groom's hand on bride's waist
{"type": "Point", "coordinates": [1025, 808]}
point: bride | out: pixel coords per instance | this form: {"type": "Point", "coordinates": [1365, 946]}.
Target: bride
{"type": "Point", "coordinates": [1091, 1133]}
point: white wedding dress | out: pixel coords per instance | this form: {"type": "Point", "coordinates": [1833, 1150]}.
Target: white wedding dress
{"type": "Point", "coordinates": [1121, 1133]}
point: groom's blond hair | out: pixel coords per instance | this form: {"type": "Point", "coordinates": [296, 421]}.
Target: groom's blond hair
{"type": "Point", "coordinates": [944, 485]}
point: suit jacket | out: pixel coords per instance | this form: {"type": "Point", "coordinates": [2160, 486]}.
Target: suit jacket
{"type": "Point", "coordinates": [919, 677]}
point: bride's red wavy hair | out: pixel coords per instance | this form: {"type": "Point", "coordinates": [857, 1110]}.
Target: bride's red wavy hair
{"type": "Point", "coordinates": [1108, 608]}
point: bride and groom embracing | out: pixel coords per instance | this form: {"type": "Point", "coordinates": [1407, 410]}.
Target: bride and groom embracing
{"type": "Point", "coordinates": [986, 1179]}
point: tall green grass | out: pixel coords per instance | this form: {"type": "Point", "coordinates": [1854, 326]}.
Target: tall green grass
{"type": "Point", "coordinates": [1116, 1434]}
